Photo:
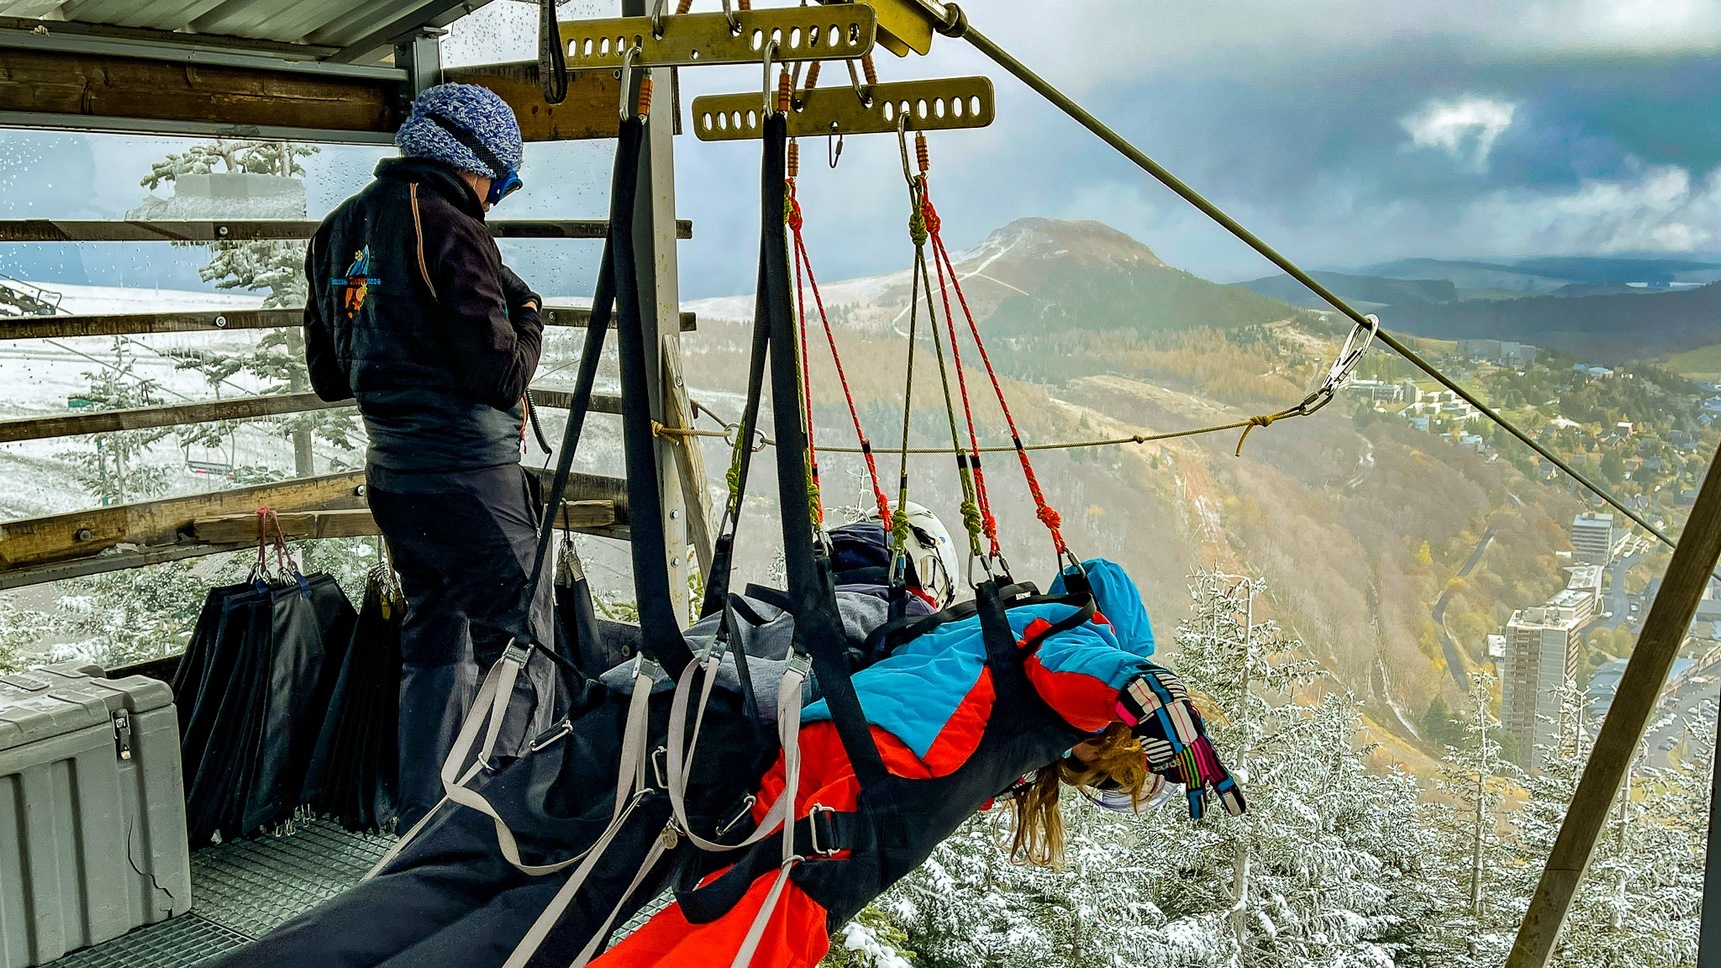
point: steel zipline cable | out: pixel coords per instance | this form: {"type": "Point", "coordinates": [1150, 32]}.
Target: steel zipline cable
{"type": "Point", "coordinates": [954, 24]}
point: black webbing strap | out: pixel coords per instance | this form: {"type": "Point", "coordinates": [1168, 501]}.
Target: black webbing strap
{"type": "Point", "coordinates": [603, 301]}
{"type": "Point", "coordinates": [826, 829]}
{"type": "Point", "coordinates": [723, 549]}
{"type": "Point", "coordinates": [818, 626]}
{"type": "Point", "coordinates": [659, 626]}
{"type": "Point", "coordinates": [552, 54]}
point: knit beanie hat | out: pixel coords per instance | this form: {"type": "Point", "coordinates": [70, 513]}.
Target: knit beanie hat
{"type": "Point", "coordinates": [463, 125]}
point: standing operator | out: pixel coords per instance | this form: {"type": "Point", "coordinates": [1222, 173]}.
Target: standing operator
{"type": "Point", "coordinates": [412, 314]}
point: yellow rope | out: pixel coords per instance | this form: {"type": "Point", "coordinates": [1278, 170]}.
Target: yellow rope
{"type": "Point", "coordinates": [1264, 420]}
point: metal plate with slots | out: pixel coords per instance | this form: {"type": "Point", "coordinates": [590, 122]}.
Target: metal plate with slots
{"type": "Point", "coordinates": [941, 104]}
{"type": "Point", "coordinates": [839, 32]}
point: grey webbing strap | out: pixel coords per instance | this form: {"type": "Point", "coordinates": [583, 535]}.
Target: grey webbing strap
{"type": "Point", "coordinates": [456, 790]}
{"type": "Point", "coordinates": [665, 842]}
{"type": "Point", "coordinates": [488, 706]}
{"type": "Point", "coordinates": [756, 931]}
{"type": "Point", "coordinates": [629, 775]}
{"type": "Point", "coordinates": [546, 922]}
{"type": "Point", "coordinates": [681, 759]}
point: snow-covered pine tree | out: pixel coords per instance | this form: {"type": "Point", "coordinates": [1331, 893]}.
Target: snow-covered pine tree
{"type": "Point", "coordinates": [274, 267]}
{"type": "Point", "coordinates": [1328, 868]}
{"type": "Point", "coordinates": [1638, 903]}
{"type": "Point", "coordinates": [114, 470]}
{"type": "Point", "coordinates": [1471, 855]}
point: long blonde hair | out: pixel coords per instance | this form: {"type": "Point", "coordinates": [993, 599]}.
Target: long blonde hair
{"type": "Point", "coordinates": [1038, 837]}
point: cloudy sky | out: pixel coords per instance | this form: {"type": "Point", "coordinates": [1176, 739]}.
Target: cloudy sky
{"type": "Point", "coordinates": [1345, 132]}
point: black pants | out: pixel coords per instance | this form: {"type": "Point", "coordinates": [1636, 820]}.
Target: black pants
{"type": "Point", "coordinates": [464, 544]}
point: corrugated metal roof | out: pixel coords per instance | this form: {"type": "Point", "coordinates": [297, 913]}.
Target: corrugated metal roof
{"type": "Point", "coordinates": [331, 23]}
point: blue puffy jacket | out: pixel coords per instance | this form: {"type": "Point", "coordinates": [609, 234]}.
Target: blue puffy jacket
{"type": "Point", "coordinates": [929, 701]}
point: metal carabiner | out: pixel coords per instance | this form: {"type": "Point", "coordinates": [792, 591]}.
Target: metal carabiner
{"type": "Point", "coordinates": [657, 19]}
{"type": "Point", "coordinates": [629, 100]}
{"type": "Point", "coordinates": [862, 91]}
{"type": "Point", "coordinates": [902, 144]}
{"type": "Point", "coordinates": [770, 86]}
{"type": "Point", "coordinates": [1344, 367]}
{"type": "Point", "coordinates": [834, 145]}
{"type": "Point", "coordinates": [734, 21]}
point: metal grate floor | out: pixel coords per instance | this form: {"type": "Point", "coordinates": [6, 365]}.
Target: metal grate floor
{"type": "Point", "coordinates": [244, 889]}
{"type": "Point", "coordinates": [240, 891]}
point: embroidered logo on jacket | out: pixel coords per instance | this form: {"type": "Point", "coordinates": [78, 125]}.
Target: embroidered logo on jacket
{"type": "Point", "coordinates": [357, 283]}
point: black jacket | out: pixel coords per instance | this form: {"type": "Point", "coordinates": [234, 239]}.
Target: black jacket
{"type": "Point", "coordinates": [412, 313]}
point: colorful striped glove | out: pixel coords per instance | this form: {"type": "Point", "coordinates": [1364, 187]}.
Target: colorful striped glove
{"type": "Point", "coordinates": [1157, 709]}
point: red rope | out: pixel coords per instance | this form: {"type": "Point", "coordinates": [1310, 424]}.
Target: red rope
{"type": "Point", "coordinates": [1043, 510]}
{"type": "Point", "coordinates": [802, 259]}
{"type": "Point", "coordinates": [794, 218]}
{"type": "Point", "coordinates": [988, 522]}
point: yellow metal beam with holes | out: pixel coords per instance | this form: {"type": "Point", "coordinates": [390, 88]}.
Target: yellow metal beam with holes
{"type": "Point", "coordinates": [840, 32]}
{"type": "Point", "coordinates": [902, 26]}
{"type": "Point", "coordinates": [941, 104]}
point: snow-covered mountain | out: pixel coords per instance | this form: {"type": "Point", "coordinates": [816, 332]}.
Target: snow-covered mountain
{"type": "Point", "coordinates": [1040, 272]}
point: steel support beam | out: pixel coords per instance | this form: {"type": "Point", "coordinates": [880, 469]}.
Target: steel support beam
{"type": "Point", "coordinates": [659, 292]}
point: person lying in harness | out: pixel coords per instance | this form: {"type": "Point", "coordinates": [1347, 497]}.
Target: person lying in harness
{"type": "Point", "coordinates": [955, 724]}
{"type": "Point", "coordinates": [450, 899]}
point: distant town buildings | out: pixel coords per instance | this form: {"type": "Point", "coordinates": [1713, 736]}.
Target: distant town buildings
{"type": "Point", "coordinates": [1541, 656]}
{"type": "Point", "coordinates": [1595, 539]}
{"type": "Point", "coordinates": [1515, 355]}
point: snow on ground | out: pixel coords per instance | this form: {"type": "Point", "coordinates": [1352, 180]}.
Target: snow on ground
{"type": "Point", "coordinates": [134, 299]}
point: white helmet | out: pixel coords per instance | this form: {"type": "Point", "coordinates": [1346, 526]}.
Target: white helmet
{"type": "Point", "coordinates": [931, 552]}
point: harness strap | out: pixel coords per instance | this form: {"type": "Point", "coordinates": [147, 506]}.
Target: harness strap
{"type": "Point", "coordinates": [665, 842]}
{"type": "Point", "coordinates": [683, 746]}
{"type": "Point", "coordinates": [818, 627]}
{"type": "Point", "coordinates": [825, 831]}
{"type": "Point", "coordinates": [649, 545]}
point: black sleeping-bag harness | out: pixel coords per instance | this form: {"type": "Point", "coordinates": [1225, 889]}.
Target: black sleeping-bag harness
{"type": "Point", "coordinates": [616, 792]}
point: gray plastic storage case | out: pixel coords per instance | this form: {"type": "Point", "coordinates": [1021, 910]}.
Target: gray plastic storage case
{"type": "Point", "coordinates": [92, 811]}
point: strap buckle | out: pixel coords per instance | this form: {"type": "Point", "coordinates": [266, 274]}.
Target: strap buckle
{"type": "Point", "coordinates": [516, 653]}
{"type": "Point", "coordinates": [646, 666]}
{"type": "Point", "coordinates": [555, 735]}
{"type": "Point", "coordinates": [799, 662]}
{"type": "Point", "coordinates": [660, 766]}
{"type": "Point", "coordinates": [741, 813]}
{"type": "Point", "coordinates": [817, 845]}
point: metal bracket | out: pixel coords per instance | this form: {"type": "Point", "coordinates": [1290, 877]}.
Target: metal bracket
{"type": "Point", "coordinates": [903, 26]}
{"type": "Point", "coordinates": [946, 103]}
{"type": "Point", "coordinates": [841, 32]}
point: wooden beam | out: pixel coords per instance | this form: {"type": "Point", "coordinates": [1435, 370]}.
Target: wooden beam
{"type": "Point", "coordinates": [237, 529]}
{"type": "Point", "coordinates": [235, 230]}
{"type": "Point", "coordinates": [591, 109]}
{"type": "Point", "coordinates": [112, 560]}
{"type": "Point", "coordinates": [147, 324]}
{"type": "Point", "coordinates": [209, 411]}
{"type": "Point", "coordinates": [87, 87]}
{"type": "Point", "coordinates": [142, 418]}
{"type": "Point", "coordinates": [1664, 631]}
{"type": "Point", "coordinates": [148, 530]}
{"type": "Point", "coordinates": [689, 461]}
{"type": "Point", "coordinates": [80, 534]}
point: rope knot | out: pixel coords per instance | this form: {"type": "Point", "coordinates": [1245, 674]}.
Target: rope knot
{"type": "Point", "coordinates": [1261, 420]}
{"type": "Point", "coordinates": [792, 212]}
{"type": "Point", "coordinates": [929, 216]}
{"type": "Point", "coordinates": [1049, 517]}
{"type": "Point", "coordinates": [972, 520]}
{"type": "Point", "coordinates": [917, 228]}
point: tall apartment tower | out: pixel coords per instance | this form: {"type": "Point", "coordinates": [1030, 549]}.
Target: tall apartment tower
{"type": "Point", "coordinates": [1541, 656]}
{"type": "Point", "coordinates": [1594, 538]}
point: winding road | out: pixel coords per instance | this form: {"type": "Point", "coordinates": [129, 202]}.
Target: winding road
{"type": "Point", "coordinates": [1449, 647]}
